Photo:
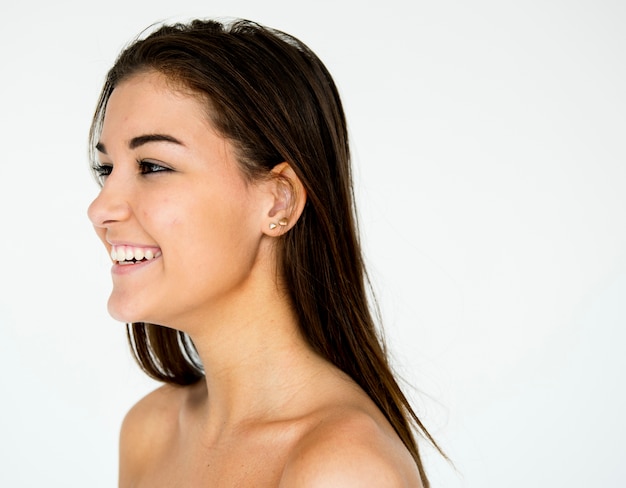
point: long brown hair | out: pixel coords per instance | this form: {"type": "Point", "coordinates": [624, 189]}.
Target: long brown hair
{"type": "Point", "coordinates": [272, 97]}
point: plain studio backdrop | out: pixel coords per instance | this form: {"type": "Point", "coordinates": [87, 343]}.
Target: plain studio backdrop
{"type": "Point", "coordinates": [490, 168]}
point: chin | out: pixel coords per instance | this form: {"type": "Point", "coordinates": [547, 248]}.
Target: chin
{"type": "Point", "coordinates": [125, 312]}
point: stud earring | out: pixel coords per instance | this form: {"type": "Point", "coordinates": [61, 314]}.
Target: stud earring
{"type": "Point", "coordinates": [282, 222]}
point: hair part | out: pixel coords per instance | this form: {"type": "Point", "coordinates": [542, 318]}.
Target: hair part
{"type": "Point", "coordinates": [275, 101]}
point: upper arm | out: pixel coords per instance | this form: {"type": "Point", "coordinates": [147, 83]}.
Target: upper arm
{"type": "Point", "coordinates": [361, 471]}
{"type": "Point", "coordinates": [138, 437]}
{"type": "Point", "coordinates": [131, 449]}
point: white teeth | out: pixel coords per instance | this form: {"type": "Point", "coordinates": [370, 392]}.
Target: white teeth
{"type": "Point", "coordinates": [126, 254]}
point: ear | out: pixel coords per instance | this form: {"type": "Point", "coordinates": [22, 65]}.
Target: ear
{"type": "Point", "coordinates": [289, 197]}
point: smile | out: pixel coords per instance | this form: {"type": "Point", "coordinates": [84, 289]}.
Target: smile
{"type": "Point", "coordinates": [128, 255]}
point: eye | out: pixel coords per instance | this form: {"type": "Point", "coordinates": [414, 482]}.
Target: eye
{"type": "Point", "coordinates": [148, 167]}
{"type": "Point", "coordinates": [101, 171]}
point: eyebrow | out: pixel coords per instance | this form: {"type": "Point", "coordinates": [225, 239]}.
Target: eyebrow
{"type": "Point", "coordinates": [138, 141]}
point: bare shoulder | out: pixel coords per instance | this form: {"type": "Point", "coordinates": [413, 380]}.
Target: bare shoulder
{"type": "Point", "coordinates": [350, 448]}
{"type": "Point", "coordinates": [145, 428]}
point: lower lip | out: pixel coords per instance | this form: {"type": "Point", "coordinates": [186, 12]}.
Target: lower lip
{"type": "Point", "coordinates": [124, 269]}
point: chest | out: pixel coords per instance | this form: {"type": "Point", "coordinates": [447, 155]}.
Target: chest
{"type": "Point", "coordinates": [253, 461]}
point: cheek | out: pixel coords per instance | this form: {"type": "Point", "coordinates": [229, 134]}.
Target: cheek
{"type": "Point", "coordinates": [163, 216]}
{"type": "Point", "coordinates": [180, 226]}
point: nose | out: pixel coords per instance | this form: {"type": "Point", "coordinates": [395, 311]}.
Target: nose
{"type": "Point", "coordinates": [111, 205]}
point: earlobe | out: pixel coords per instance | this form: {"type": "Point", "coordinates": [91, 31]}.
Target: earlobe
{"type": "Point", "coordinates": [289, 197]}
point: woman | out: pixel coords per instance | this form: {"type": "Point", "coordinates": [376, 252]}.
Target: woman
{"type": "Point", "coordinates": [227, 208]}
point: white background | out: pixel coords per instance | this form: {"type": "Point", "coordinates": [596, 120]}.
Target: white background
{"type": "Point", "coordinates": [490, 170]}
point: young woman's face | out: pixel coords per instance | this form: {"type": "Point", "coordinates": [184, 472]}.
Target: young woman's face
{"type": "Point", "coordinates": [183, 225]}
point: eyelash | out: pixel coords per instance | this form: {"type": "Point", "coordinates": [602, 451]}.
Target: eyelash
{"type": "Point", "coordinates": [147, 167]}
{"type": "Point", "coordinates": [155, 167]}
{"type": "Point", "coordinates": [101, 171]}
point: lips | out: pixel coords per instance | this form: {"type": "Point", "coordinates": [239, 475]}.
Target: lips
{"type": "Point", "coordinates": [128, 255]}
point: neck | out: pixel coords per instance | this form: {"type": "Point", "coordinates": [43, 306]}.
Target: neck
{"type": "Point", "coordinates": [255, 360]}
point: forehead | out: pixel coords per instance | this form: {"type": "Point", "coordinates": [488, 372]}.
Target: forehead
{"type": "Point", "coordinates": [150, 103]}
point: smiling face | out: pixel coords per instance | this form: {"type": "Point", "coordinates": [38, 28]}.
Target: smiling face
{"type": "Point", "coordinates": [183, 224]}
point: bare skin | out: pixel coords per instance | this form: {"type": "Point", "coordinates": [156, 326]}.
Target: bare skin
{"type": "Point", "coordinates": [269, 412]}
{"type": "Point", "coordinates": [328, 436]}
